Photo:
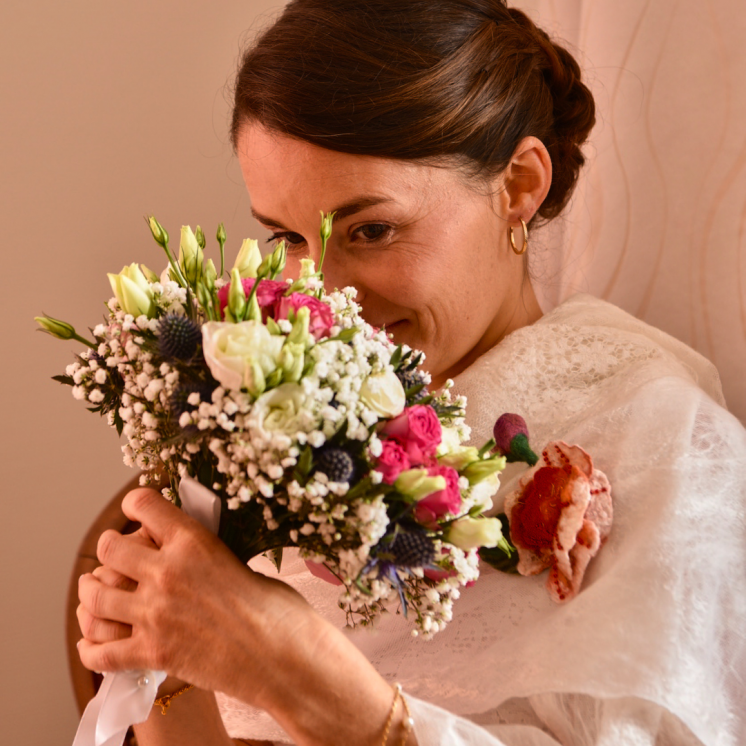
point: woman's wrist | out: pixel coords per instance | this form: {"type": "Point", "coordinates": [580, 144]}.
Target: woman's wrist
{"type": "Point", "coordinates": [326, 692]}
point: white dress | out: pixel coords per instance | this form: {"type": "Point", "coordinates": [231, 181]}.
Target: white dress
{"type": "Point", "coordinates": [652, 652]}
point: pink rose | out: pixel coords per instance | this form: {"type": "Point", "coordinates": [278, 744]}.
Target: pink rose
{"type": "Point", "coordinates": [417, 429]}
{"type": "Point", "coordinates": [392, 461]}
{"type": "Point", "coordinates": [268, 295]}
{"type": "Point", "coordinates": [322, 319]}
{"type": "Point", "coordinates": [438, 504]}
{"type": "Point", "coordinates": [560, 515]}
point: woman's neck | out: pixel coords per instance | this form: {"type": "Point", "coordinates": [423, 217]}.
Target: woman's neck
{"type": "Point", "coordinates": [523, 310]}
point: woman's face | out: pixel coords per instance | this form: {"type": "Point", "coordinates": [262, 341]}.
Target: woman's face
{"type": "Point", "coordinates": [427, 253]}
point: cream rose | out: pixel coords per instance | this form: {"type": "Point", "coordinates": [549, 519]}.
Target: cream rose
{"type": "Point", "coordinates": [283, 409]}
{"type": "Point", "coordinates": [240, 355]}
{"type": "Point", "coordinates": [384, 394]}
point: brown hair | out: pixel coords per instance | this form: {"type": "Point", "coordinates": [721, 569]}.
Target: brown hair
{"type": "Point", "coordinates": [419, 80]}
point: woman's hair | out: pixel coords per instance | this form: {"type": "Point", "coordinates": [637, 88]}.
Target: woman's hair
{"type": "Point", "coordinates": [423, 80]}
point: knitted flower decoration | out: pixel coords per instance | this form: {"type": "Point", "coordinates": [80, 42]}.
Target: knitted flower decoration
{"type": "Point", "coordinates": [559, 516]}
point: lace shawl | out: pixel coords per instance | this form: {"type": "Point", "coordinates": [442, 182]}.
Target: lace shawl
{"type": "Point", "coordinates": [653, 649]}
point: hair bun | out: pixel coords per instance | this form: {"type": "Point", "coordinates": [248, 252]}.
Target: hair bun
{"type": "Point", "coordinates": [574, 114]}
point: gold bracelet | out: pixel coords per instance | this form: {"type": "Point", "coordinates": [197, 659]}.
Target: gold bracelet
{"type": "Point", "coordinates": [164, 702]}
{"type": "Point", "coordinates": [407, 723]}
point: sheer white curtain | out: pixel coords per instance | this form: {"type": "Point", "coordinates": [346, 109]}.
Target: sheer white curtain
{"type": "Point", "coordinates": [658, 224]}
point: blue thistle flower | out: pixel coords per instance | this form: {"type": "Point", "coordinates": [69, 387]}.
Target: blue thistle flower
{"type": "Point", "coordinates": [336, 463]}
{"type": "Point", "coordinates": [178, 337]}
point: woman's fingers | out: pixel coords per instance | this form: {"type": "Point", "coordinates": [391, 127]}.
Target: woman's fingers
{"type": "Point", "coordinates": [128, 555]}
{"type": "Point", "coordinates": [100, 630]}
{"type": "Point", "coordinates": [118, 655]}
{"type": "Point", "coordinates": [114, 579]}
{"type": "Point", "coordinates": [160, 519]}
{"type": "Point", "coordinates": [104, 602]}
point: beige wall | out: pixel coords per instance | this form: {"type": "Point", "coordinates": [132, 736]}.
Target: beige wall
{"type": "Point", "coordinates": [109, 110]}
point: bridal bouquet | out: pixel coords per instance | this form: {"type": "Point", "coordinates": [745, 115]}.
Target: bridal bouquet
{"type": "Point", "coordinates": [311, 427]}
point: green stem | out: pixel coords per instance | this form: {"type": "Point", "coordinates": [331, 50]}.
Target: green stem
{"type": "Point", "coordinates": [77, 337]}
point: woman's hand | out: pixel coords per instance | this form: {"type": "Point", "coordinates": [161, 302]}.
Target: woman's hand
{"type": "Point", "coordinates": [173, 597]}
{"type": "Point", "coordinates": [201, 615]}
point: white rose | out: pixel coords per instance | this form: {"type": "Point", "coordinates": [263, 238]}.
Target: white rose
{"type": "Point", "coordinates": [470, 533]}
{"type": "Point", "coordinates": [240, 355]}
{"type": "Point", "coordinates": [283, 409]}
{"type": "Point", "coordinates": [384, 394]}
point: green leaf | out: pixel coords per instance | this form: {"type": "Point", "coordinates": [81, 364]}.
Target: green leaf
{"type": "Point", "coordinates": [67, 380]}
{"type": "Point", "coordinates": [396, 357]}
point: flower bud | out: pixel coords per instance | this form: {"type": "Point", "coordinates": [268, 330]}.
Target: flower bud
{"type": "Point", "coordinates": [470, 533]}
{"type": "Point", "coordinates": [149, 275]}
{"type": "Point", "coordinates": [292, 360]}
{"type": "Point", "coordinates": [55, 327]}
{"type": "Point", "coordinates": [249, 258]}
{"type": "Point", "coordinates": [299, 334]}
{"type": "Point", "coordinates": [190, 255]}
{"type": "Point", "coordinates": [256, 383]}
{"type": "Point", "coordinates": [307, 268]}
{"type": "Point", "coordinates": [199, 234]}
{"type": "Point", "coordinates": [210, 275]}
{"type": "Point", "coordinates": [253, 312]}
{"type": "Point", "coordinates": [220, 235]}
{"type": "Point", "coordinates": [133, 291]}
{"type": "Point", "coordinates": [326, 226]}
{"type": "Point", "coordinates": [416, 483]}
{"type": "Point", "coordinates": [480, 470]}
{"type": "Point", "coordinates": [278, 259]}
{"type": "Point", "coordinates": [236, 296]}
{"type": "Point", "coordinates": [459, 457]}
{"type": "Point", "coordinates": [159, 232]}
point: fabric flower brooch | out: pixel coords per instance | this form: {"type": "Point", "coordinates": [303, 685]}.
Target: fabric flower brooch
{"type": "Point", "coordinates": [561, 513]}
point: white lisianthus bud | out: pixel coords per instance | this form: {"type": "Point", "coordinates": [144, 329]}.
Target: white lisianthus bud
{"type": "Point", "coordinates": [211, 274]}
{"type": "Point", "coordinates": [307, 268]}
{"type": "Point", "coordinates": [415, 483]}
{"type": "Point", "coordinates": [236, 296]}
{"type": "Point", "coordinates": [55, 327]}
{"type": "Point", "coordinates": [459, 458]}
{"type": "Point", "coordinates": [160, 234]}
{"type": "Point", "coordinates": [249, 258]}
{"type": "Point", "coordinates": [292, 360]}
{"type": "Point", "coordinates": [326, 225]}
{"type": "Point", "coordinates": [478, 470]}
{"type": "Point", "coordinates": [384, 394]}
{"type": "Point", "coordinates": [133, 291]}
{"type": "Point", "coordinates": [240, 355]}
{"type": "Point", "coordinates": [190, 255]}
{"type": "Point", "coordinates": [148, 273]}
{"type": "Point", "coordinates": [470, 533]}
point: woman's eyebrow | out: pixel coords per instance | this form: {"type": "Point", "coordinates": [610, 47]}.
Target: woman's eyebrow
{"type": "Point", "coordinates": [343, 211]}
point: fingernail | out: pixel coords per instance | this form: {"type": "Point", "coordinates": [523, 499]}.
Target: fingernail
{"type": "Point", "coordinates": [78, 644]}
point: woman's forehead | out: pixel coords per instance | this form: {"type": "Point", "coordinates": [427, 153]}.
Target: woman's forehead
{"type": "Point", "coordinates": [283, 173]}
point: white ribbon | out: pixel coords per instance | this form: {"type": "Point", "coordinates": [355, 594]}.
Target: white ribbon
{"type": "Point", "coordinates": [126, 697]}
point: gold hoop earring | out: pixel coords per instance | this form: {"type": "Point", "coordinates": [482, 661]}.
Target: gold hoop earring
{"type": "Point", "coordinates": [525, 238]}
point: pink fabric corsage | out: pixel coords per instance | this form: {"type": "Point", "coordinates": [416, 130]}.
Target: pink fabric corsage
{"type": "Point", "coordinates": [559, 516]}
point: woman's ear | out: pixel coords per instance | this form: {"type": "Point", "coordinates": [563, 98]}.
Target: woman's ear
{"type": "Point", "coordinates": [525, 181]}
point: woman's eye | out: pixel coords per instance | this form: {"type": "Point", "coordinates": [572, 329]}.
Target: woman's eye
{"type": "Point", "coordinates": [373, 231]}
{"type": "Point", "coordinates": [291, 239]}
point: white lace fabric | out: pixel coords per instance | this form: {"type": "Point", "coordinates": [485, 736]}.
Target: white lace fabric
{"type": "Point", "coordinates": [652, 652]}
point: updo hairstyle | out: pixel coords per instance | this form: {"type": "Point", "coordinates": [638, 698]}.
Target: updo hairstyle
{"type": "Point", "coordinates": [437, 81]}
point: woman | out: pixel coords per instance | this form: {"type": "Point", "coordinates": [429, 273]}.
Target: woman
{"type": "Point", "coordinates": [437, 129]}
